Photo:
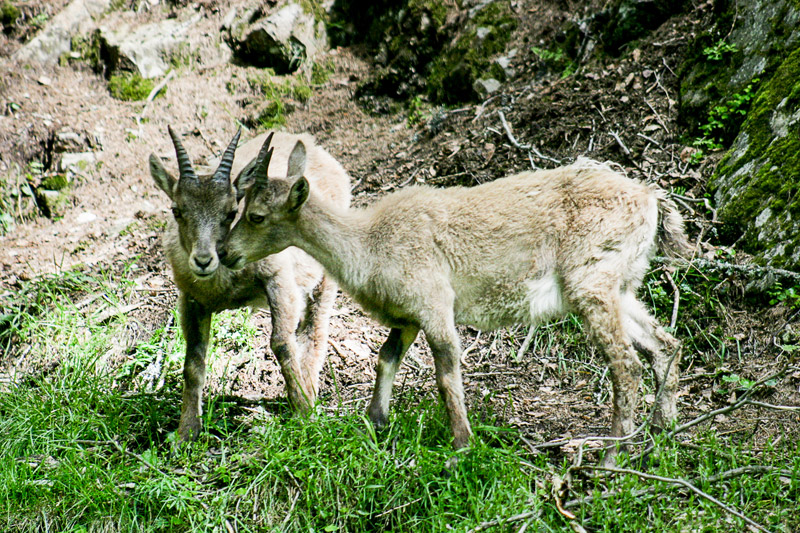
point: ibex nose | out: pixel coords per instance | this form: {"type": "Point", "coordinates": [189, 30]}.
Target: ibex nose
{"type": "Point", "coordinates": [202, 261]}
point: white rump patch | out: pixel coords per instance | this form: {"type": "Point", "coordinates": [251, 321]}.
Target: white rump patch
{"type": "Point", "coordinates": [545, 299]}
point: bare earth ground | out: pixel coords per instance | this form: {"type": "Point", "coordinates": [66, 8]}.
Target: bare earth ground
{"type": "Point", "coordinates": [632, 98]}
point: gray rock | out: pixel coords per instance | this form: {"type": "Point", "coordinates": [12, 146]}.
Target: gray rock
{"type": "Point", "coordinates": [147, 48]}
{"type": "Point", "coordinates": [486, 87]}
{"type": "Point", "coordinates": [77, 162]}
{"type": "Point", "coordinates": [505, 64]}
{"type": "Point", "coordinates": [281, 40]}
{"type": "Point", "coordinates": [68, 141]}
{"type": "Point", "coordinates": [55, 39]}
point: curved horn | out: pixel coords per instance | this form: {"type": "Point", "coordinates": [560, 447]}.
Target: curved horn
{"type": "Point", "coordinates": [184, 164]}
{"type": "Point", "coordinates": [262, 161]}
{"type": "Point", "coordinates": [223, 171]}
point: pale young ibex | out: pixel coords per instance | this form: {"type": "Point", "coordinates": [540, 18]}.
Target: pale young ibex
{"type": "Point", "coordinates": [291, 284]}
{"type": "Point", "coordinates": [519, 250]}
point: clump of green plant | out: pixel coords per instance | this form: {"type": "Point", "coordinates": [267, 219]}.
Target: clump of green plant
{"type": "Point", "coordinates": [39, 20]}
{"type": "Point", "coordinates": [556, 60]}
{"type": "Point", "coordinates": [275, 92]}
{"type": "Point", "coordinates": [789, 296]}
{"type": "Point", "coordinates": [321, 72]}
{"type": "Point", "coordinates": [724, 119]}
{"type": "Point", "coordinates": [131, 87]}
{"type": "Point", "coordinates": [9, 14]}
{"type": "Point", "coordinates": [417, 111]}
{"type": "Point", "coordinates": [184, 56]}
{"type": "Point", "coordinates": [718, 51]}
{"type": "Point", "coordinates": [272, 89]}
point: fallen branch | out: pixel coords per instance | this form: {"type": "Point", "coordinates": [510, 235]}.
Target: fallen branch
{"type": "Point", "coordinates": [723, 476]}
{"type": "Point", "coordinates": [526, 147]}
{"type": "Point", "coordinates": [620, 143]}
{"type": "Point", "coordinates": [675, 481]}
{"type": "Point", "coordinates": [503, 521]}
{"type": "Point", "coordinates": [748, 271]}
{"type": "Point", "coordinates": [151, 97]}
{"type": "Point", "coordinates": [742, 400]}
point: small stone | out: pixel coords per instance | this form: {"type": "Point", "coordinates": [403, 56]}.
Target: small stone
{"type": "Point", "coordinates": [86, 217]}
{"type": "Point", "coordinates": [483, 31]}
{"type": "Point", "coordinates": [44, 80]}
{"type": "Point", "coordinates": [486, 87]}
{"type": "Point", "coordinates": [77, 162]}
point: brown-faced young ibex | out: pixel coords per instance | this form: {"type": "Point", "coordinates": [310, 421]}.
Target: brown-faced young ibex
{"type": "Point", "coordinates": [291, 284]}
{"type": "Point", "coordinates": [521, 249]}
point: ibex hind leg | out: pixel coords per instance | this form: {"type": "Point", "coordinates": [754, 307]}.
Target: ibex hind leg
{"type": "Point", "coordinates": [658, 347]}
{"type": "Point", "coordinates": [598, 303]}
{"type": "Point", "coordinates": [196, 327]}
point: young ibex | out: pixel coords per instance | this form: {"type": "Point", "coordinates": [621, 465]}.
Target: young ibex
{"type": "Point", "coordinates": [291, 284]}
{"type": "Point", "coordinates": [521, 249]}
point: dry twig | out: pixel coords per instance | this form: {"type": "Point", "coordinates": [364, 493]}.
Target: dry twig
{"type": "Point", "coordinates": [526, 147]}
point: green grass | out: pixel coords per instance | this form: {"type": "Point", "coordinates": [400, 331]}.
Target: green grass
{"type": "Point", "coordinates": [131, 87]}
{"type": "Point", "coordinates": [84, 447]}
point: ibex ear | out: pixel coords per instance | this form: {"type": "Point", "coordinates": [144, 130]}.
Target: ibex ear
{"type": "Point", "coordinates": [244, 180]}
{"type": "Point", "coordinates": [163, 179]}
{"type": "Point", "coordinates": [298, 194]}
{"type": "Point", "coordinates": [297, 160]}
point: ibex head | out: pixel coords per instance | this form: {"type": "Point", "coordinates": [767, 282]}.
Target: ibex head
{"type": "Point", "coordinates": [204, 207]}
{"type": "Point", "coordinates": [271, 210]}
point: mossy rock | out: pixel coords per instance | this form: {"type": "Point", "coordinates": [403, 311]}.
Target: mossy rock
{"type": "Point", "coordinates": [757, 184]}
{"type": "Point", "coordinates": [131, 87]}
{"type": "Point", "coordinates": [469, 58]}
{"type": "Point", "coordinates": [749, 40]}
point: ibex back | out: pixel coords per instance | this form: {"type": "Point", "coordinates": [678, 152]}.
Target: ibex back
{"type": "Point", "coordinates": [521, 249]}
{"type": "Point", "coordinates": [291, 284]}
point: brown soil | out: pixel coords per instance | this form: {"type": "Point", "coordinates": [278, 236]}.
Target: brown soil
{"type": "Point", "coordinates": [622, 110]}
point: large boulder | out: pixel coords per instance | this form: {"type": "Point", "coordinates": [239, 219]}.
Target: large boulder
{"type": "Point", "coordinates": [740, 88]}
{"type": "Point", "coordinates": [757, 184]}
{"type": "Point", "coordinates": [145, 49]}
{"type": "Point", "coordinates": [55, 39]}
{"type": "Point", "coordinates": [281, 38]}
{"type": "Point", "coordinates": [749, 40]}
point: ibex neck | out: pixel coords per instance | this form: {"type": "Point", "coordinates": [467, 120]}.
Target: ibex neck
{"type": "Point", "coordinates": [336, 239]}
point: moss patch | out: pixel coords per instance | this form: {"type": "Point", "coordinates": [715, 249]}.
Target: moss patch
{"type": "Point", "coordinates": [130, 87]}
{"type": "Point", "coordinates": [9, 14]}
{"type": "Point", "coordinates": [758, 183]}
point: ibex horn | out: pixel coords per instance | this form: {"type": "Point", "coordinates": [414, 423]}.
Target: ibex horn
{"type": "Point", "coordinates": [184, 164]}
{"type": "Point", "coordinates": [262, 161]}
{"type": "Point", "coordinates": [223, 172]}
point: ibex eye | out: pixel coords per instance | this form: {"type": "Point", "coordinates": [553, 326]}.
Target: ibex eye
{"type": "Point", "coordinates": [256, 219]}
{"type": "Point", "coordinates": [176, 213]}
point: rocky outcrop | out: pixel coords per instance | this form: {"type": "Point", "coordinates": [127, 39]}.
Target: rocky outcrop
{"type": "Point", "coordinates": [281, 38]}
{"type": "Point", "coordinates": [741, 88]}
{"type": "Point", "coordinates": [55, 39]}
{"type": "Point", "coordinates": [757, 184]}
{"type": "Point", "coordinates": [146, 49]}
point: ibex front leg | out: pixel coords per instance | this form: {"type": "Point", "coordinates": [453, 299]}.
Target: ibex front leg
{"type": "Point", "coordinates": [196, 327]}
{"type": "Point", "coordinates": [389, 359]}
{"type": "Point", "coordinates": [284, 302]}
{"type": "Point", "coordinates": [446, 349]}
